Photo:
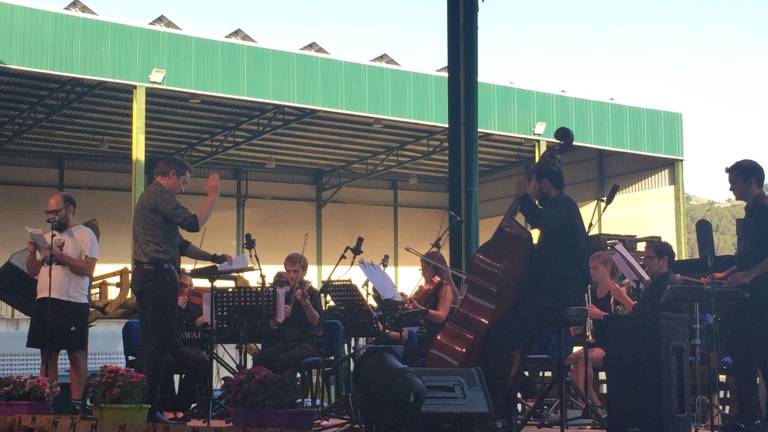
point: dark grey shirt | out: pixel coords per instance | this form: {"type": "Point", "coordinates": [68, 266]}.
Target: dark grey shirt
{"type": "Point", "coordinates": [156, 225]}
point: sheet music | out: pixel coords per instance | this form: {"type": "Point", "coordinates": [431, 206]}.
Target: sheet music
{"type": "Point", "coordinates": [207, 306]}
{"type": "Point", "coordinates": [381, 281]}
{"type": "Point", "coordinates": [628, 266]}
{"type": "Point", "coordinates": [238, 262]}
{"type": "Point", "coordinates": [36, 235]}
{"type": "Point", "coordinates": [280, 303]}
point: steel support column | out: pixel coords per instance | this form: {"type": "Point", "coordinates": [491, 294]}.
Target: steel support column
{"type": "Point", "coordinates": [396, 229]}
{"type": "Point", "coordinates": [240, 210]}
{"type": "Point", "coordinates": [682, 242]}
{"type": "Point", "coordinates": [138, 146]}
{"type": "Point", "coordinates": [319, 230]}
{"type": "Point", "coordinates": [463, 179]}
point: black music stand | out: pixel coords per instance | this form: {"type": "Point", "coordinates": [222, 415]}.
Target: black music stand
{"type": "Point", "coordinates": [212, 273]}
{"type": "Point", "coordinates": [242, 315]}
{"type": "Point", "coordinates": [358, 318]}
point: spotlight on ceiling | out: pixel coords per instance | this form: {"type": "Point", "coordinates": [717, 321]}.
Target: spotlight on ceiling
{"type": "Point", "coordinates": [157, 76]}
{"type": "Point", "coordinates": [270, 163]}
{"type": "Point", "coordinates": [412, 179]}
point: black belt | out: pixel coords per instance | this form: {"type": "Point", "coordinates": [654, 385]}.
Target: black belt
{"type": "Point", "coordinates": [155, 265]}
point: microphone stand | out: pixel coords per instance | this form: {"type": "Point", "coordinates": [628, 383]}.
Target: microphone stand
{"type": "Point", "coordinates": [253, 254]}
{"type": "Point", "coordinates": [342, 257]}
{"type": "Point", "coordinates": [48, 311]}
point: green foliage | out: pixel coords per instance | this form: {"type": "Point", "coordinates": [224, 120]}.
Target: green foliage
{"type": "Point", "coordinates": [723, 217]}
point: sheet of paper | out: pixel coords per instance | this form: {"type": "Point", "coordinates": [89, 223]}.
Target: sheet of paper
{"type": "Point", "coordinates": [36, 235]}
{"type": "Point", "coordinates": [280, 303]}
{"type": "Point", "coordinates": [381, 281]}
{"type": "Point", "coordinates": [207, 306]}
{"type": "Point", "coordinates": [238, 262]}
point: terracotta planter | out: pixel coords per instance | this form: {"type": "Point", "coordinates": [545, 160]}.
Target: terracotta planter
{"type": "Point", "coordinates": [294, 419]}
{"type": "Point", "coordinates": [11, 408]}
{"type": "Point", "coordinates": [121, 413]}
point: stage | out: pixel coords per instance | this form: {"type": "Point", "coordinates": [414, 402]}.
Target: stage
{"type": "Point", "coordinates": [29, 423]}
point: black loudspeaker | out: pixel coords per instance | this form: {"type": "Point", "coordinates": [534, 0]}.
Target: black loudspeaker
{"type": "Point", "coordinates": [646, 365]}
{"type": "Point", "coordinates": [17, 288]}
{"type": "Point", "coordinates": [456, 399]}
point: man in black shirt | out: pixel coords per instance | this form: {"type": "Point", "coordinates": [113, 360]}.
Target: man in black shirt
{"type": "Point", "coordinates": [750, 347]}
{"type": "Point", "coordinates": [157, 250]}
{"type": "Point", "coordinates": [659, 257]}
{"type": "Point", "coordinates": [557, 278]}
{"type": "Point", "coordinates": [300, 334]}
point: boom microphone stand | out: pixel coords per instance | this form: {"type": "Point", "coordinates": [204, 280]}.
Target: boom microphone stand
{"type": "Point", "coordinates": [48, 312]}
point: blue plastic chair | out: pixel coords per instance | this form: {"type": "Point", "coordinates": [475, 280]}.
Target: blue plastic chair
{"type": "Point", "coordinates": [131, 341]}
{"type": "Point", "coordinates": [315, 371]}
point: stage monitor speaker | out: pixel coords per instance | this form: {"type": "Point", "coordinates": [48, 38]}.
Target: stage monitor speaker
{"type": "Point", "coordinates": [647, 367]}
{"type": "Point", "coordinates": [17, 288]}
{"type": "Point", "coordinates": [456, 399]}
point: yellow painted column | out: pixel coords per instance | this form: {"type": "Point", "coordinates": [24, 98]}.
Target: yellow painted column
{"type": "Point", "coordinates": [682, 241]}
{"type": "Point", "coordinates": [138, 146]}
{"type": "Point", "coordinates": [539, 148]}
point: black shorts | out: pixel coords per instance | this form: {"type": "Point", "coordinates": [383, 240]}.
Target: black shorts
{"type": "Point", "coordinates": [69, 325]}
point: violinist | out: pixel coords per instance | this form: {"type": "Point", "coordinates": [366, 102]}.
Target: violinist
{"type": "Point", "coordinates": [437, 295]}
{"type": "Point", "coordinates": [300, 335]}
{"type": "Point", "coordinates": [557, 276]}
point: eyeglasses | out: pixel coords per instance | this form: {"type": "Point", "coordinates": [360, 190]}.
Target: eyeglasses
{"type": "Point", "coordinates": [54, 212]}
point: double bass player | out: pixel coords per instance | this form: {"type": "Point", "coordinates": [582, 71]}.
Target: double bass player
{"type": "Point", "coordinates": [557, 277]}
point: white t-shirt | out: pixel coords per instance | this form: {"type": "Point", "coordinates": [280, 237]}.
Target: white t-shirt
{"type": "Point", "coordinates": [79, 242]}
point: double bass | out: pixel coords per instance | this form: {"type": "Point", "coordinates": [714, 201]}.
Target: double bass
{"type": "Point", "coordinates": [496, 280]}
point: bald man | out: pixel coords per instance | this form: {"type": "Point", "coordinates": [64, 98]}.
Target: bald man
{"type": "Point", "coordinates": [65, 300]}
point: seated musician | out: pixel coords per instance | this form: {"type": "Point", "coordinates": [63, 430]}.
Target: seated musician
{"type": "Point", "coordinates": [604, 292]}
{"type": "Point", "coordinates": [187, 357]}
{"type": "Point", "coordinates": [659, 258]}
{"type": "Point", "coordinates": [437, 295]}
{"type": "Point", "coordinates": [300, 335]}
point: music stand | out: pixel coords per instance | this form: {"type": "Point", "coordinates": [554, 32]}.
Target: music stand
{"type": "Point", "coordinates": [212, 273]}
{"type": "Point", "coordinates": [242, 315]}
{"type": "Point", "coordinates": [356, 314]}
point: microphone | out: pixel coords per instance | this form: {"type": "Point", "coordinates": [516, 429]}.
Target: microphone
{"type": "Point", "coordinates": [705, 241]}
{"type": "Point", "coordinates": [357, 249]}
{"type": "Point", "coordinates": [250, 243]}
{"type": "Point", "coordinates": [51, 219]}
{"type": "Point", "coordinates": [611, 194]}
{"type": "Point", "coordinates": [385, 261]}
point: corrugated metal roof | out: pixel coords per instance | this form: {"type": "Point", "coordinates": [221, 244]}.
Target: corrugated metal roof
{"type": "Point", "coordinates": [48, 115]}
{"type": "Point", "coordinates": [92, 47]}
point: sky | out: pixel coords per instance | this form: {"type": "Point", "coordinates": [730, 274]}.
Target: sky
{"type": "Point", "coordinates": [707, 59]}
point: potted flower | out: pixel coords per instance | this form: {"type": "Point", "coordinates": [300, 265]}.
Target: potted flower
{"type": "Point", "coordinates": [257, 397]}
{"type": "Point", "coordinates": [117, 394]}
{"type": "Point", "coordinates": [26, 395]}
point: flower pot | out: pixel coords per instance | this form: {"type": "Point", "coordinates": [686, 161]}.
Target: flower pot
{"type": "Point", "coordinates": [122, 413]}
{"type": "Point", "coordinates": [294, 419]}
{"type": "Point", "coordinates": [11, 408]}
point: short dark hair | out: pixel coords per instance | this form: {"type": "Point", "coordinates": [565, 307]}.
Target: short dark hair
{"type": "Point", "coordinates": [662, 249]}
{"type": "Point", "coordinates": [550, 170]}
{"type": "Point", "coordinates": [171, 163]}
{"type": "Point", "coordinates": [297, 259]}
{"type": "Point", "coordinates": [69, 201]}
{"type": "Point", "coordinates": [748, 169]}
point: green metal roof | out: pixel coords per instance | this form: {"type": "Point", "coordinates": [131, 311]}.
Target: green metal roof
{"type": "Point", "coordinates": [68, 43]}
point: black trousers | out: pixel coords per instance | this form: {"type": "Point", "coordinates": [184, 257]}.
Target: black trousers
{"type": "Point", "coordinates": [285, 356]}
{"type": "Point", "coordinates": [192, 364]}
{"type": "Point", "coordinates": [516, 330]}
{"type": "Point", "coordinates": [750, 353]}
{"type": "Point", "coordinates": [156, 294]}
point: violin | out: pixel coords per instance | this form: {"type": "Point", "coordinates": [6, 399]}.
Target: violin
{"type": "Point", "coordinates": [423, 292]}
{"type": "Point", "coordinates": [187, 289]}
